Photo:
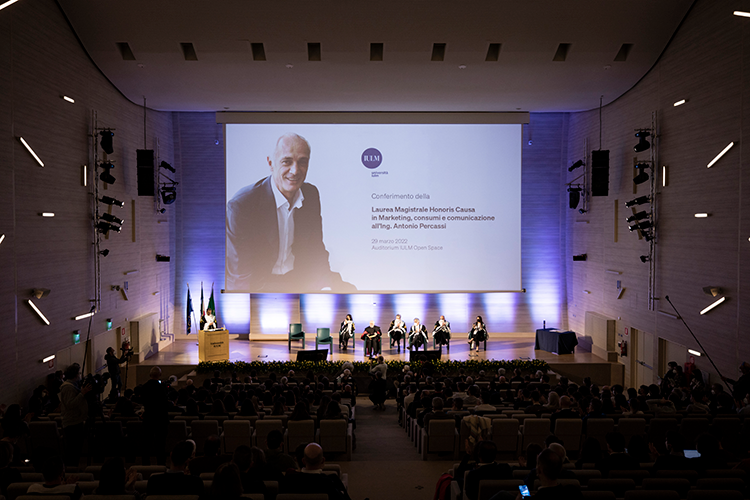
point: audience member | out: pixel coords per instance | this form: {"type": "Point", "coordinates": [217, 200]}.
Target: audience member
{"type": "Point", "coordinates": [311, 478]}
{"type": "Point", "coordinates": [617, 458]}
{"type": "Point", "coordinates": [55, 481]}
{"type": "Point", "coordinates": [486, 468]}
{"type": "Point", "coordinates": [227, 484]}
{"type": "Point", "coordinates": [275, 458]}
{"type": "Point", "coordinates": [115, 480]}
{"type": "Point", "coordinates": [674, 459]}
{"type": "Point", "coordinates": [176, 481]}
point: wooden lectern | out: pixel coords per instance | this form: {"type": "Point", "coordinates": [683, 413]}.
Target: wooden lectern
{"type": "Point", "coordinates": [213, 345]}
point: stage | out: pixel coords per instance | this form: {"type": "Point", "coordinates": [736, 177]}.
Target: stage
{"type": "Point", "coordinates": [181, 357]}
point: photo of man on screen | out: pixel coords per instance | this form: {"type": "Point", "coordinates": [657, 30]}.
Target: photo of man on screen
{"type": "Point", "coordinates": [275, 232]}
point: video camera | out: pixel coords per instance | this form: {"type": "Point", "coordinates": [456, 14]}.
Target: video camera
{"type": "Point", "coordinates": [125, 348]}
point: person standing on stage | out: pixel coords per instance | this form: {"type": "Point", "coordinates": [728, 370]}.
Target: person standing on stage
{"type": "Point", "coordinates": [442, 331]}
{"type": "Point", "coordinates": [372, 336]}
{"type": "Point", "coordinates": [346, 332]}
{"type": "Point", "coordinates": [477, 334]}
{"type": "Point", "coordinates": [397, 331]}
{"type": "Point", "coordinates": [417, 335]}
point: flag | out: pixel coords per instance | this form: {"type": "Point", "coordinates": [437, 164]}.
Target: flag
{"type": "Point", "coordinates": [203, 309]}
{"type": "Point", "coordinates": [189, 311]}
{"type": "Point", "coordinates": [211, 304]}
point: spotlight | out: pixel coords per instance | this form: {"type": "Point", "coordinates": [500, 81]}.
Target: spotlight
{"type": "Point", "coordinates": [638, 201]}
{"type": "Point", "coordinates": [111, 218]}
{"type": "Point", "coordinates": [642, 175]}
{"type": "Point", "coordinates": [576, 165]}
{"type": "Point", "coordinates": [574, 195]}
{"type": "Point", "coordinates": [168, 194]}
{"type": "Point", "coordinates": [639, 216]}
{"type": "Point", "coordinates": [40, 293]}
{"type": "Point", "coordinates": [107, 176]}
{"type": "Point", "coordinates": [105, 227]}
{"type": "Point", "coordinates": [640, 226]}
{"type": "Point", "coordinates": [647, 235]}
{"type": "Point", "coordinates": [112, 201]}
{"type": "Point", "coordinates": [712, 290]}
{"type": "Point", "coordinates": [104, 252]}
{"type": "Point", "coordinates": [645, 258]}
{"type": "Point", "coordinates": [643, 144]}
{"type": "Point", "coordinates": [167, 166]}
{"type": "Point", "coordinates": [106, 143]}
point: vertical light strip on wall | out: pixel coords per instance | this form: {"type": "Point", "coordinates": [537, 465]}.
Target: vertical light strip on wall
{"type": "Point", "coordinates": [31, 151]}
{"type": "Point", "coordinates": [664, 176]}
{"type": "Point", "coordinates": [85, 175]}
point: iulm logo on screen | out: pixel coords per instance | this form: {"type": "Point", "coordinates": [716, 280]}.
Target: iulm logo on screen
{"type": "Point", "coordinates": [372, 158]}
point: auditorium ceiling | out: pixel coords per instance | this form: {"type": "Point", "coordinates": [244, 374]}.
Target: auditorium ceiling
{"type": "Point", "coordinates": [336, 55]}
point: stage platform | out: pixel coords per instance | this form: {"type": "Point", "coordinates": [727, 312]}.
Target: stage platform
{"type": "Point", "coordinates": [181, 356]}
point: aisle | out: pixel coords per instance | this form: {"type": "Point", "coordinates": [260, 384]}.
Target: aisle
{"type": "Point", "coordinates": [385, 465]}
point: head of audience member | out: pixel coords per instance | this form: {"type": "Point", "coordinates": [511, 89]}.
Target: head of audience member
{"type": "Point", "coordinates": [486, 452]}
{"type": "Point", "coordinates": [53, 470]}
{"type": "Point", "coordinates": [242, 457]}
{"type": "Point", "coordinates": [72, 372]}
{"type": "Point", "coordinates": [564, 402]}
{"type": "Point", "coordinates": [615, 442]}
{"type": "Point", "coordinates": [257, 458]}
{"type": "Point", "coordinates": [532, 452]}
{"type": "Point", "coordinates": [595, 406]}
{"type": "Point", "coordinates": [591, 451]}
{"type": "Point", "coordinates": [112, 477]}
{"type": "Point", "coordinates": [155, 373]}
{"type": "Point", "coordinates": [559, 449]}
{"type": "Point", "coordinates": [274, 440]}
{"type": "Point", "coordinates": [535, 396]}
{"type": "Point", "coordinates": [548, 467]}
{"type": "Point", "coordinates": [437, 404]}
{"type": "Point", "coordinates": [674, 442]}
{"type": "Point", "coordinates": [313, 458]}
{"type": "Point", "coordinates": [182, 453]}
{"type": "Point", "coordinates": [458, 404]}
{"type": "Point", "coordinates": [554, 400]}
{"type": "Point", "coordinates": [212, 446]}
{"type": "Point", "coordinates": [552, 439]}
{"type": "Point", "coordinates": [227, 482]}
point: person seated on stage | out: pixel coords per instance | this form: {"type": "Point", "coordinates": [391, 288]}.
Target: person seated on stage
{"type": "Point", "coordinates": [442, 331]}
{"type": "Point", "coordinates": [372, 336]}
{"type": "Point", "coordinates": [397, 331]}
{"type": "Point", "coordinates": [417, 335]}
{"type": "Point", "coordinates": [346, 332]}
{"type": "Point", "coordinates": [311, 478]}
{"type": "Point", "coordinates": [477, 335]}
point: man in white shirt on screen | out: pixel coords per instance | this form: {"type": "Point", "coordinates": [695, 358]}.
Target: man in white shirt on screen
{"type": "Point", "coordinates": [274, 229]}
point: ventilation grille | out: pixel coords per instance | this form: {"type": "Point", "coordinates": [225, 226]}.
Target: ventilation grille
{"type": "Point", "coordinates": [622, 54]}
{"type": "Point", "coordinates": [125, 51]}
{"type": "Point", "coordinates": [493, 52]}
{"type": "Point", "coordinates": [259, 52]}
{"type": "Point", "coordinates": [313, 52]}
{"type": "Point", "coordinates": [438, 52]}
{"type": "Point", "coordinates": [562, 52]}
{"type": "Point", "coordinates": [376, 52]}
{"type": "Point", "coordinates": [188, 51]}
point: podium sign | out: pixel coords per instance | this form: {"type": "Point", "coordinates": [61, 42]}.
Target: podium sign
{"type": "Point", "coordinates": [213, 345]}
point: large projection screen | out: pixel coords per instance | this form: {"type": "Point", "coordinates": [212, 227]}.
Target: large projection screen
{"type": "Point", "coordinates": [418, 204]}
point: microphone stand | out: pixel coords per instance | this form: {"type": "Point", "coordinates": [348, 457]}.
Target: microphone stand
{"type": "Point", "coordinates": [698, 341]}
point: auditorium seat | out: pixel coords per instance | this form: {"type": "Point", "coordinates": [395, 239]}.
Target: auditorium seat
{"type": "Point", "coordinates": [658, 427]}
{"type": "Point", "coordinates": [583, 475]}
{"type": "Point", "coordinates": [263, 428]}
{"type": "Point", "coordinates": [598, 428]}
{"type": "Point", "coordinates": [616, 486]}
{"type": "Point", "coordinates": [236, 433]}
{"type": "Point", "coordinates": [146, 470]}
{"type": "Point", "coordinates": [680, 485]}
{"type": "Point", "coordinates": [505, 434]}
{"type": "Point", "coordinates": [441, 436]}
{"type": "Point", "coordinates": [636, 475]}
{"type": "Point", "coordinates": [691, 428]}
{"type": "Point", "coordinates": [299, 432]}
{"type": "Point", "coordinates": [535, 430]}
{"type": "Point", "coordinates": [721, 483]}
{"type": "Point", "coordinates": [631, 426]}
{"type": "Point", "coordinates": [652, 495]}
{"type": "Point", "coordinates": [335, 436]}
{"type": "Point", "coordinates": [568, 430]}
{"type": "Point", "coordinates": [200, 430]}
{"type": "Point", "coordinates": [105, 497]}
{"type": "Point", "coordinates": [490, 487]}
{"type": "Point", "coordinates": [598, 495]}
{"type": "Point", "coordinates": [690, 475]}
{"type": "Point", "coordinates": [323, 337]}
{"type": "Point", "coordinates": [301, 496]}
{"type": "Point", "coordinates": [176, 432]}
{"type": "Point", "coordinates": [714, 495]}
{"type": "Point", "coordinates": [45, 435]}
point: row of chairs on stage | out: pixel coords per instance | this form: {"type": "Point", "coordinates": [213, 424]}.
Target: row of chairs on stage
{"type": "Point", "coordinates": [323, 337]}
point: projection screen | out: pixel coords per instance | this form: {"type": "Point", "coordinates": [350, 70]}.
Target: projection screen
{"type": "Point", "coordinates": [373, 207]}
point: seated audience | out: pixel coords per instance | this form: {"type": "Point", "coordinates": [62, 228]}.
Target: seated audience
{"type": "Point", "coordinates": [486, 468]}
{"type": "Point", "coordinates": [674, 459]}
{"type": "Point", "coordinates": [276, 459]}
{"type": "Point", "coordinates": [211, 459]}
{"type": "Point", "coordinates": [176, 481]}
{"type": "Point", "coordinates": [311, 478]}
{"type": "Point", "coordinates": [227, 484]}
{"type": "Point", "coordinates": [55, 481]}
{"type": "Point", "coordinates": [115, 480]}
{"type": "Point", "coordinates": [617, 458]}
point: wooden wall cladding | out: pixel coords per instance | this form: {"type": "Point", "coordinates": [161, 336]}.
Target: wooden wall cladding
{"type": "Point", "coordinates": [703, 64]}
{"type": "Point", "coordinates": [57, 253]}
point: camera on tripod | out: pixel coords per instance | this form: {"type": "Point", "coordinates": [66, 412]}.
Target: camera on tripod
{"type": "Point", "coordinates": [126, 349]}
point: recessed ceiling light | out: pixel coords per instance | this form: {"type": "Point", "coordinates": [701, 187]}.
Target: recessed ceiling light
{"type": "Point", "coordinates": [47, 214]}
{"type": "Point", "coordinates": [701, 215]}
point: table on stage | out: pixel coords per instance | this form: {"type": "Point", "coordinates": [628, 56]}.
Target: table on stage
{"type": "Point", "coordinates": [213, 345]}
{"type": "Point", "coordinates": [553, 340]}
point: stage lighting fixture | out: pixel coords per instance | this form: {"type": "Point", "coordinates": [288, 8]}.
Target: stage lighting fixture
{"type": "Point", "coordinates": [576, 165]}
{"type": "Point", "coordinates": [104, 252]}
{"type": "Point", "coordinates": [643, 144]}
{"type": "Point", "coordinates": [647, 235]}
{"type": "Point", "coordinates": [638, 201]}
{"type": "Point", "coordinates": [639, 216]}
{"type": "Point", "coordinates": [40, 293]}
{"type": "Point", "coordinates": [105, 227]}
{"type": "Point", "coordinates": [112, 201]}
{"type": "Point", "coordinates": [574, 195]}
{"type": "Point", "coordinates": [111, 218]}
{"type": "Point", "coordinates": [645, 258]}
{"type": "Point", "coordinates": [640, 226]}
{"type": "Point", "coordinates": [168, 194]}
{"type": "Point", "coordinates": [167, 166]}
{"type": "Point", "coordinates": [106, 142]}
{"type": "Point", "coordinates": [107, 176]}
{"type": "Point", "coordinates": [712, 290]}
{"type": "Point", "coordinates": [642, 176]}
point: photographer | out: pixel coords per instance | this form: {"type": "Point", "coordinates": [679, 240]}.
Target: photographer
{"type": "Point", "coordinates": [75, 409]}
{"type": "Point", "coordinates": [113, 367]}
